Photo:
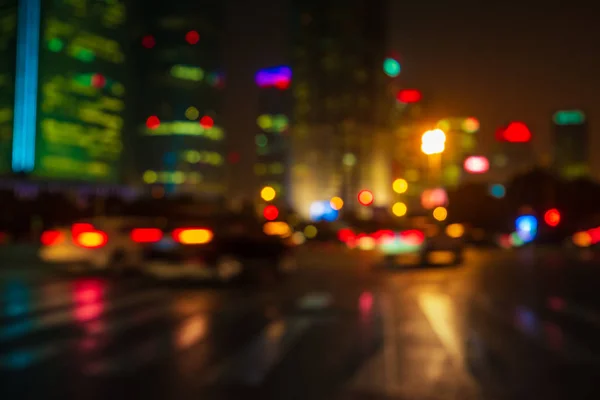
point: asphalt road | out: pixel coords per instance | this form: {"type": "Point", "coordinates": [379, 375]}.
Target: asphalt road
{"type": "Point", "coordinates": [506, 324]}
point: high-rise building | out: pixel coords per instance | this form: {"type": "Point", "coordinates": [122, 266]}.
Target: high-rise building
{"type": "Point", "coordinates": [62, 65]}
{"type": "Point", "coordinates": [272, 140]}
{"type": "Point", "coordinates": [512, 153]}
{"type": "Point", "coordinates": [180, 141]}
{"type": "Point", "coordinates": [341, 98]}
{"type": "Point", "coordinates": [8, 50]}
{"type": "Point", "coordinates": [571, 143]}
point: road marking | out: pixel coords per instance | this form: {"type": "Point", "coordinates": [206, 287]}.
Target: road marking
{"type": "Point", "coordinates": [251, 365]}
{"type": "Point", "coordinates": [315, 301]}
{"type": "Point", "coordinates": [87, 311]}
{"type": "Point", "coordinates": [440, 313]}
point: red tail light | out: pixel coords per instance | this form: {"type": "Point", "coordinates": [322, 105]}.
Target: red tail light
{"type": "Point", "coordinates": [412, 237]}
{"type": "Point", "coordinates": [146, 235]}
{"type": "Point", "coordinates": [92, 239]}
{"type": "Point", "coordinates": [345, 235]}
{"type": "Point", "coordinates": [76, 229]}
{"type": "Point", "coordinates": [193, 235]}
{"type": "Point", "coordinates": [51, 238]}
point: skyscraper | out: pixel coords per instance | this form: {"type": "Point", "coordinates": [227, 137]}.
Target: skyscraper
{"type": "Point", "coordinates": [180, 139]}
{"type": "Point", "coordinates": [272, 140]}
{"type": "Point", "coordinates": [571, 143]}
{"type": "Point", "coordinates": [340, 98]}
{"type": "Point", "coordinates": [68, 88]}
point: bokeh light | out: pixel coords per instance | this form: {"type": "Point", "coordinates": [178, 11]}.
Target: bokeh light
{"type": "Point", "coordinates": [431, 198]}
{"type": "Point", "coordinates": [440, 213]}
{"type": "Point", "coordinates": [498, 190]}
{"type": "Point", "coordinates": [391, 67]}
{"type": "Point", "coordinates": [192, 37]}
{"type": "Point", "coordinates": [455, 230]}
{"type": "Point", "coordinates": [433, 142]}
{"type": "Point", "coordinates": [207, 122]}
{"type": "Point", "coordinates": [400, 186]}
{"type": "Point", "coordinates": [336, 203]}
{"type": "Point", "coordinates": [270, 212]}
{"type": "Point", "coordinates": [365, 197]}
{"type": "Point", "coordinates": [552, 217]}
{"type": "Point", "coordinates": [477, 164]}
{"type": "Point", "coordinates": [399, 209]}
{"type": "Point", "coordinates": [409, 96]}
{"type": "Point", "coordinates": [268, 193]}
{"type": "Point", "coordinates": [153, 122]}
{"type": "Point", "coordinates": [470, 125]}
{"type": "Point", "coordinates": [148, 41]}
{"type": "Point", "coordinates": [192, 113]}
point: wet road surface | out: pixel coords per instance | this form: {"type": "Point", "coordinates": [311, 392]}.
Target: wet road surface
{"type": "Point", "coordinates": [504, 325]}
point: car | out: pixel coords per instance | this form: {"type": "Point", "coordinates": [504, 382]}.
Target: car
{"type": "Point", "coordinates": [418, 236]}
{"type": "Point", "coordinates": [222, 249]}
{"type": "Point", "coordinates": [101, 244]}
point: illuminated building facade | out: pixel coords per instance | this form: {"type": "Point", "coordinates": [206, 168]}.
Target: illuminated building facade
{"type": "Point", "coordinates": [8, 50]}
{"type": "Point", "coordinates": [341, 101]}
{"type": "Point", "coordinates": [68, 90]}
{"type": "Point", "coordinates": [272, 140]}
{"type": "Point", "coordinates": [461, 142]}
{"type": "Point", "coordinates": [180, 145]}
{"type": "Point", "coordinates": [571, 143]}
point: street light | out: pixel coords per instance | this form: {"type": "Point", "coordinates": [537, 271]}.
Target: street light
{"type": "Point", "coordinates": [433, 144]}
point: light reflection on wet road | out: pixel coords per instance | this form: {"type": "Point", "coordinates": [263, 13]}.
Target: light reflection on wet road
{"type": "Point", "coordinates": [505, 325]}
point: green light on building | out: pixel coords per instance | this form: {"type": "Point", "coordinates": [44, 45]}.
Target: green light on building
{"type": "Point", "coordinates": [569, 117]}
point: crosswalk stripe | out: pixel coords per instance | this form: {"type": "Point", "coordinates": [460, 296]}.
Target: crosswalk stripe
{"type": "Point", "coordinates": [251, 365]}
{"type": "Point", "coordinates": [62, 317]}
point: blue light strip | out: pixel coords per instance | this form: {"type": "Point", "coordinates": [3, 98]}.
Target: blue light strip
{"type": "Point", "coordinates": [26, 85]}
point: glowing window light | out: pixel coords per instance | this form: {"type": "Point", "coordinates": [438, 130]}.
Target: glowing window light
{"type": "Point", "coordinates": [470, 125]}
{"type": "Point", "coordinates": [279, 77]}
{"type": "Point", "coordinates": [55, 45]}
{"type": "Point", "coordinates": [409, 96]}
{"type": "Point", "coordinates": [187, 128]}
{"type": "Point", "coordinates": [349, 160]}
{"type": "Point", "coordinates": [477, 164]}
{"type": "Point", "coordinates": [85, 55]}
{"type": "Point", "coordinates": [498, 190]}
{"type": "Point", "coordinates": [148, 41]}
{"type": "Point", "coordinates": [264, 122]}
{"type": "Point", "coordinates": [192, 37]}
{"type": "Point", "coordinates": [399, 209]}
{"type": "Point", "coordinates": [569, 117]}
{"type": "Point", "coordinates": [150, 177]}
{"type": "Point", "coordinates": [400, 186]}
{"type": "Point", "coordinates": [26, 86]}
{"type": "Point", "coordinates": [188, 73]}
{"type": "Point", "coordinates": [153, 122]}
{"type": "Point", "coordinates": [391, 67]}
{"type": "Point", "coordinates": [207, 122]}
{"type": "Point", "coordinates": [98, 81]}
{"type": "Point", "coordinates": [192, 113]}
{"type": "Point", "coordinates": [261, 140]}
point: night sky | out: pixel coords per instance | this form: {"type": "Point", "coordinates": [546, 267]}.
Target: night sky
{"type": "Point", "coordinates": [512, 61]}
{"type": "Point", "coordinates": [497, 62]}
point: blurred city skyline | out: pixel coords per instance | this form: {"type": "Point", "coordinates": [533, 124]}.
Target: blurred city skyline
{"type": "Point", "coordinates": [498, 63]}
